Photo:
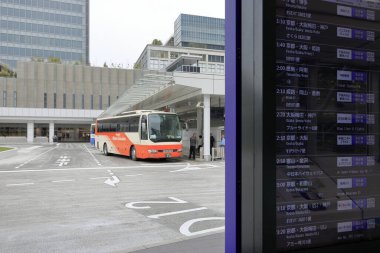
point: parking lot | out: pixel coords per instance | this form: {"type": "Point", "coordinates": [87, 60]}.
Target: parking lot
{"type": "Point", "coordinates": [71, 198]}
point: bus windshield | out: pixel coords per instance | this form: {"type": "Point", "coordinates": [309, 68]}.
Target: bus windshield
{"type": "Point", "coordinates": [164, 128]}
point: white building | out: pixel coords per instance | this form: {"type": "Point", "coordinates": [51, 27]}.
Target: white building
{"type": "Point", "coordinates": [159, 57]}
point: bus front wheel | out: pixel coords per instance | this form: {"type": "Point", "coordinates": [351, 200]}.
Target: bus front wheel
{"type": "Point", "coordinates": [133, 154]}
{"type": "Point", "coordinates": [105, 150]}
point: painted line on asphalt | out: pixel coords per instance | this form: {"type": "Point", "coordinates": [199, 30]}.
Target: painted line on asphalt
{"type": "Point", "coordinates": [96, 160]}
{"type": "Point", "coordinates": [136, 175]}
{"type": "Point", "coordinates": [94, 168]}
{"type": "Point", "coordinates": [23, 184]}
{"type": "Point", "coordinates": [28, 150]}
{"type": "Point", "coordinates": [30, 160]}
{"type": "Point", "coordinates": [61, 181]}
{"type": "Point", "coordinates": [94, 178]}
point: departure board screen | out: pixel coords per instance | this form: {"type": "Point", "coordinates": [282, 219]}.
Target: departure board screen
{"type": "Point", "coordinates": [327, 122]}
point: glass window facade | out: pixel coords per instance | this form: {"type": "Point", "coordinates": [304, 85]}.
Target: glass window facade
{"type": "Point", "coordinates": [159, 54]}
{"type": "Point", "coordinates": [45, 100]}
{"type": "Point", "coordinates": [43, 29]}
{"type": "Point", "coordinates": [4, 98]}
{"type": "Point", "coordinates": [64, 101]}
{"type": "Point", "coordinates": [10, 129]}
{"type": "Point", "coordinates": [216, 58]}
{"type": "Point", "coordinates": [199, 31]}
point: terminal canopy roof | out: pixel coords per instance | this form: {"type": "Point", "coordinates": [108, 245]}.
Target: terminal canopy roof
{"type": "Point", "coordinates": [159, 89]}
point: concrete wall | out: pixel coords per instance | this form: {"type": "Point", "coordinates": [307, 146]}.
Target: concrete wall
{"type": "Point", "coordinates": [34, 79]}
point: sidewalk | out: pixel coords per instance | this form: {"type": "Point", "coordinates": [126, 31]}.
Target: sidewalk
{"type": "Point", "coordinates": [207, 244]}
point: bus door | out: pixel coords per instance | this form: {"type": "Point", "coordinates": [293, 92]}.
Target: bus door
{"type": "Point", "coordinates": [144, 128]}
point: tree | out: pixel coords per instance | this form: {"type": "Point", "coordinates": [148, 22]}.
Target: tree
{"type": "Point", "coordinates": [37, 59]}
{"type": "Point", "coordinates": [137, 66]}
{"type": "Point", "coordinates": [157, 42]}
{"type": "Point", "coordinates": [6, 72]}
{"type": "Point", "coordinates": [54, 60]}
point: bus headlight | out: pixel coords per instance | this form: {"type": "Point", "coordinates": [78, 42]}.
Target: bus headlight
{"type": "Point", "coordinates": [152, 151]}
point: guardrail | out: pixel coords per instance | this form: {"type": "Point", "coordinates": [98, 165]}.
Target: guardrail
{"type": "Point", "coordinates": [217, 153]}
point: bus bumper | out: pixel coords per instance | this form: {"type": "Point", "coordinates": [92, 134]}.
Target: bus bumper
{"type": "Point", "coordinates": [155, 152]}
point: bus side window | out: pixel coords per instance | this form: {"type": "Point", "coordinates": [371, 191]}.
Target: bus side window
{"type": "Point", "coordinates": [144, 127]}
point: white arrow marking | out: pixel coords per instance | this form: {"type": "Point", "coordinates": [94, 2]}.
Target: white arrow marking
{"type": "Point", "coordinates": [189, 167]}
{"type": "Point", "coordinates": [113, 182]}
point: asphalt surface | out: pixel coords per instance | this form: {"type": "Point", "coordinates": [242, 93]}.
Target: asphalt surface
{"type": "Point", "coordinates": [72, 198]}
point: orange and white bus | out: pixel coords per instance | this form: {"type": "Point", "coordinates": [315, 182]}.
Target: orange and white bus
{"type": "Point", "coordinates": [140, 135]}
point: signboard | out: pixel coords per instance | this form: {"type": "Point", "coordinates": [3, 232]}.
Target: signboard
{"type": "Point", "coordinates": [327, 90]}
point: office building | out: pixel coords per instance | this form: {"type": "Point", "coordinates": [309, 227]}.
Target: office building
{"type": "Point", "coordinates": [160, 57]}
{"type": "Point", "coordinates": [197, 46]}
{"type": "Point", "coordinates": [44, 29]}
{"type": "Point", "coordinates": [199, 32]}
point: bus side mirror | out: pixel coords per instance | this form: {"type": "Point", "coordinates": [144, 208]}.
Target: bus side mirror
{"type": "Point", "coordinates": [143, 127]}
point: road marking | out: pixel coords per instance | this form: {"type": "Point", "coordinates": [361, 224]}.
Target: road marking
{"type": "Point", "coordinates": [92, 168]}
{"type": "Point", "coordinates": [113, 182]}
{"type": "Point", "coordinates": [9, 185]}
{"type": "Point", "coordinates": [30, 149]}
{"type": "Point", "coordinates": [61, 181]}
{"type": "Point", "coordinates": [175, 201]}
{"type": "Point", "coordinates": [185, 228]}
{"type": "Point", "coordinates": [63, 160]}
{"type": "Point", "coordinates": [96, 160]}
{"type": "Point", "coordinates": [156, 216]}
{"type": "Point", "coordinates": [93, 178]}
{"type": "Point", "coordinates": [34, 158]}
{"type": "Point", "coordinates": [190, 167]}
{"type": "Point", "coordinates": [136, 175]}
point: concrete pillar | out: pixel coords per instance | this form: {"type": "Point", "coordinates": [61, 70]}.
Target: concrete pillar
{"type": "Point", "coordinates": [30, 132]}
{"type": "Point", "coordinates": [206, 127]}
{"type": "Point", "coordinates": [199, 121]}
{"type": "Point", "coordinates": [51, 132]}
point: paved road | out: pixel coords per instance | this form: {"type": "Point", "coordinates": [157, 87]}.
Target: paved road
{"type": "Point", "coordinates": [72, 198]}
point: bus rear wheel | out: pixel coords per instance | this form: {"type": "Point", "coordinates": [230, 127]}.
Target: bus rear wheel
{"type": "Point", "coordinates": [105, 150]}
{"type": "Point", "coordinates": [133, 154]}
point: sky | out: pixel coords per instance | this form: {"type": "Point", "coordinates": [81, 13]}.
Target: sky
{"type": "Point", "coordinates": [120, 29]}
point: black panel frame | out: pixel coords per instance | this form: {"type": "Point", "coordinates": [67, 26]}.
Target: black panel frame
{"type": "Point", "coordinates": [249, 114]}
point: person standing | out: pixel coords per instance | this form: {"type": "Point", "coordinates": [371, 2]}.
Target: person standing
{"type": "Point", "coordinates": [200, 144]}
{"type": "Point", "coordinates": [222, 141]}
{"type": "Point", "coordinates": [193, 144]}
{"type": "Point", "coordinates": [212, 140]}
{"type": "Point", "coordinates": [222, 146]}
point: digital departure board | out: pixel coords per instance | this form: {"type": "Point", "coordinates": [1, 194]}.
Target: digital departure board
{"type": "Point", "coordinates": [327, 122]}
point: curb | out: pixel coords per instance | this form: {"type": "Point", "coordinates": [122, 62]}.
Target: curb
{"type": "Point", "coordinates": [8, 153]}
